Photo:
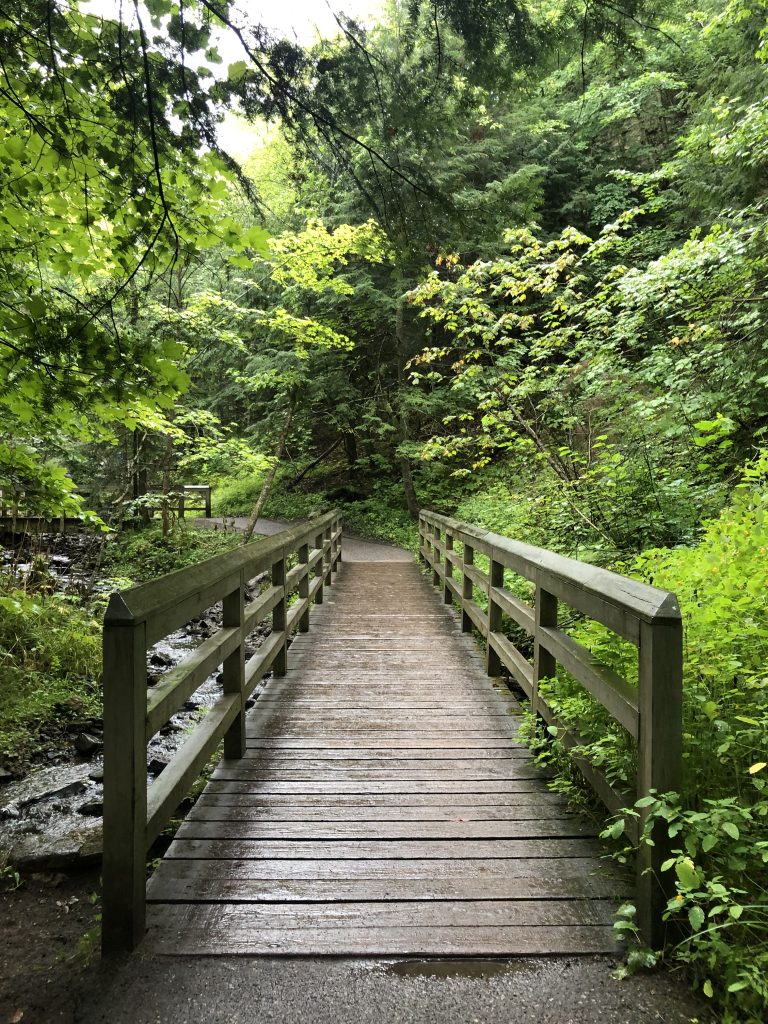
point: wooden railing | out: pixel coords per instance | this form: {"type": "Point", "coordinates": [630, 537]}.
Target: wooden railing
{"type": "Point", "coordinates": [651, 711]}
{"type": "Point", "coordinates": [191, 493]}
{"type": "Point", "coordinates": [136, 619]}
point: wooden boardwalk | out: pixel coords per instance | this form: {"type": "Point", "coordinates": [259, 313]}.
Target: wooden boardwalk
{"type": "Point", "coordinates": [384, 806]}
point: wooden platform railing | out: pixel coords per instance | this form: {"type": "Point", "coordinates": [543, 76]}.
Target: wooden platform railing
{"type": "Point", "coordinates": [651, 712]}
{"type": "Point", "coordinates": [138, 618]}
{"type": "Point", "coordinates": [191, 493]}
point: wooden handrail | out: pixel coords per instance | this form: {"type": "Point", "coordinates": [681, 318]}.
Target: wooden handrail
{"type": "Point", "coordinates": [651, 712]}
{"type": "Point", "coordinates": [136, 619]}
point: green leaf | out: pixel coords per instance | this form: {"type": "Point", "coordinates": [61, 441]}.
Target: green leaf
{"type": "Point", "coordinates": [696, 918]}
{"type": "Point", "coordinates": [236, 70]}
{"type": "Point", "coordinates": [686, 873]}
{"type": "Point", "coordinates": [730, 830]}
{"type": "Point", "coordinates": [707, 989]}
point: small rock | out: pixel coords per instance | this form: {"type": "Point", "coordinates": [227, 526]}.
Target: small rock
{"type": "Point", "coordinates": [161, 659]}
{"type": "Point", "coordinates": [153, 678]}
{"type": "Point", "coordinates": [94, 808]}
{"type": "Point", "coordinates": [9, 813]}
{"type": "Point", "coordinates": [250, 703]}
{"type": "Point", "coordinates": [191, 705]}
{"type": "Point", "coordinates": [169, 728]}
{"type": "Point", "coordinates": [87, 744]}
{"type": "Point", "coordinates": [156, 765]}
{"type": "Point", "coordinates": [219, 678]}
{"type": "Point", "coordinates": [97, 775]}
{"type": "Point", "coordinates": [5, 775]}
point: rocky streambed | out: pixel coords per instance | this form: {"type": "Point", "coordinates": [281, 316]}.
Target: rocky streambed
{"type": "Point", "coordinates": [52, 817]}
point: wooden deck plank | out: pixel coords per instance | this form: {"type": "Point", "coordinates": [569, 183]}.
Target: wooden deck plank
{"type": "Point", "coordinates": [384, 806]}
{"type": "Point", "coordinates": [189, 845]}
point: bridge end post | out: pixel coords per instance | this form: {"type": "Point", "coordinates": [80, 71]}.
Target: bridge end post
{"type": "Point", "coordinates": [125, 787]}
{"type": "Point", "coordinates": [659, 761]}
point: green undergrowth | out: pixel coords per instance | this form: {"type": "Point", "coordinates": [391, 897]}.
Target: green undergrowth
{"type": "Point", "coordinates": [50, 660]}
{"type": "Point", "coordinates": [717, 822]}
{"type": "Point", "coordinates": [145, 554]}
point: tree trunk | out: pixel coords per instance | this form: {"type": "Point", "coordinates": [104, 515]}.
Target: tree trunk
{"type": "Point", "coordinates": [409, 490]}
{"type": "Point", "coordinates": [270, 477]}
{"type": "Point", "coordinates": [315, 462]}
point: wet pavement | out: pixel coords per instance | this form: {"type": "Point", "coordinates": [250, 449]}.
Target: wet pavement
{"type": "Point", "coordinates": [231, 990]}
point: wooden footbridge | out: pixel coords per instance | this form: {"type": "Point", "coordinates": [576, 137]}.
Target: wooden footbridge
{"type": "Point", "coordinates": [376, 799]}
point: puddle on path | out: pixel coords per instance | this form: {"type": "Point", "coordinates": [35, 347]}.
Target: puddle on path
{"type": "Point", "coordinates": [473, 969]}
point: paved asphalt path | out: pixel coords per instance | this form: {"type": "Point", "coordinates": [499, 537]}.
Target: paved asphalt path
{"type": "Point", "coordinates": [242, 990]}
{"type": "Point", "coordinates": [140, 989]}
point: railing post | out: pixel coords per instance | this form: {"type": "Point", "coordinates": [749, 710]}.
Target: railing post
{"type": "Point", "coordinates": [125, 787]}
{"type": "Point", "coordinates": [447, 593]}
{"type": "Point", "coordinates": [660, 699]}
{"type": "Point", "coordinates": [334, 546]}
{"type": "Point", "coordinates": [544, 663]}
{"type": "Point", "coordinates": [467, 589]}
{"type": "Point", "coordinates": [208, 503]}
{"type": "Point", "coordinates": [328, 543]}
{"type": "Point", "coordinates": [422, 538]}
{"type": "Point", "coordinates": [495, 579]}
{"type": "Point", "coordinates": [435, 555]}
{"type": "Point", "coordinates": [319, 569]}
{"type": "Point", "coordinates": [304, 588]}
{"type": "Point", "coordinates": [233, 676]}
{"type": "Point", "coordinates": [279, 618]}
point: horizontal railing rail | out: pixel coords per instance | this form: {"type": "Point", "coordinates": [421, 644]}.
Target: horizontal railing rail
{"type": "Point", "coordinates": [135, 814]}
{"type": "Point", "coordinates": [650, 711]}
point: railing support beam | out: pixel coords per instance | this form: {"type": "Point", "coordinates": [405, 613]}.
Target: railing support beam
{"type": "Point", "coordinates": [125, 787]}
{"type": "Point", "coordinates": [659, 762]}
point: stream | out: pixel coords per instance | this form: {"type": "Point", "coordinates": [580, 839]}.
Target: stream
{"type": "Point", "coordinates": [52, 817]}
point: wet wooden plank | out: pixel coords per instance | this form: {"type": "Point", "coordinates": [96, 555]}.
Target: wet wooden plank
{"type": "Point", "coordinates": [416, 741]}
{"type": "Point", "coordinates": [383, 806]}
{"type": "Point", "coordinates": [185, 881]}
{"type": "Point", "coordinates": [239, 793]}
{"type": "Point", "coordinates": [295, 790]}
{"type": "Point", "coordinates": [243, 937]}
{"type": "Point", "coordinates": [402, 914]}
{"type": "Point", "coordinates": [331, 831]}
{"type": "Point", "coordinates": [189, 846]}
{"type": "Point", "coordinates": [359, 756]}
{"type": "Point", "coordinates": [217, 809]}
{"type": "Point", "coordinates": [390, 786]}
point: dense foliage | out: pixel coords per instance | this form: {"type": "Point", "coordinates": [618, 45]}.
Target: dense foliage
{"type": "Point", "coordinates": [503, 259]}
